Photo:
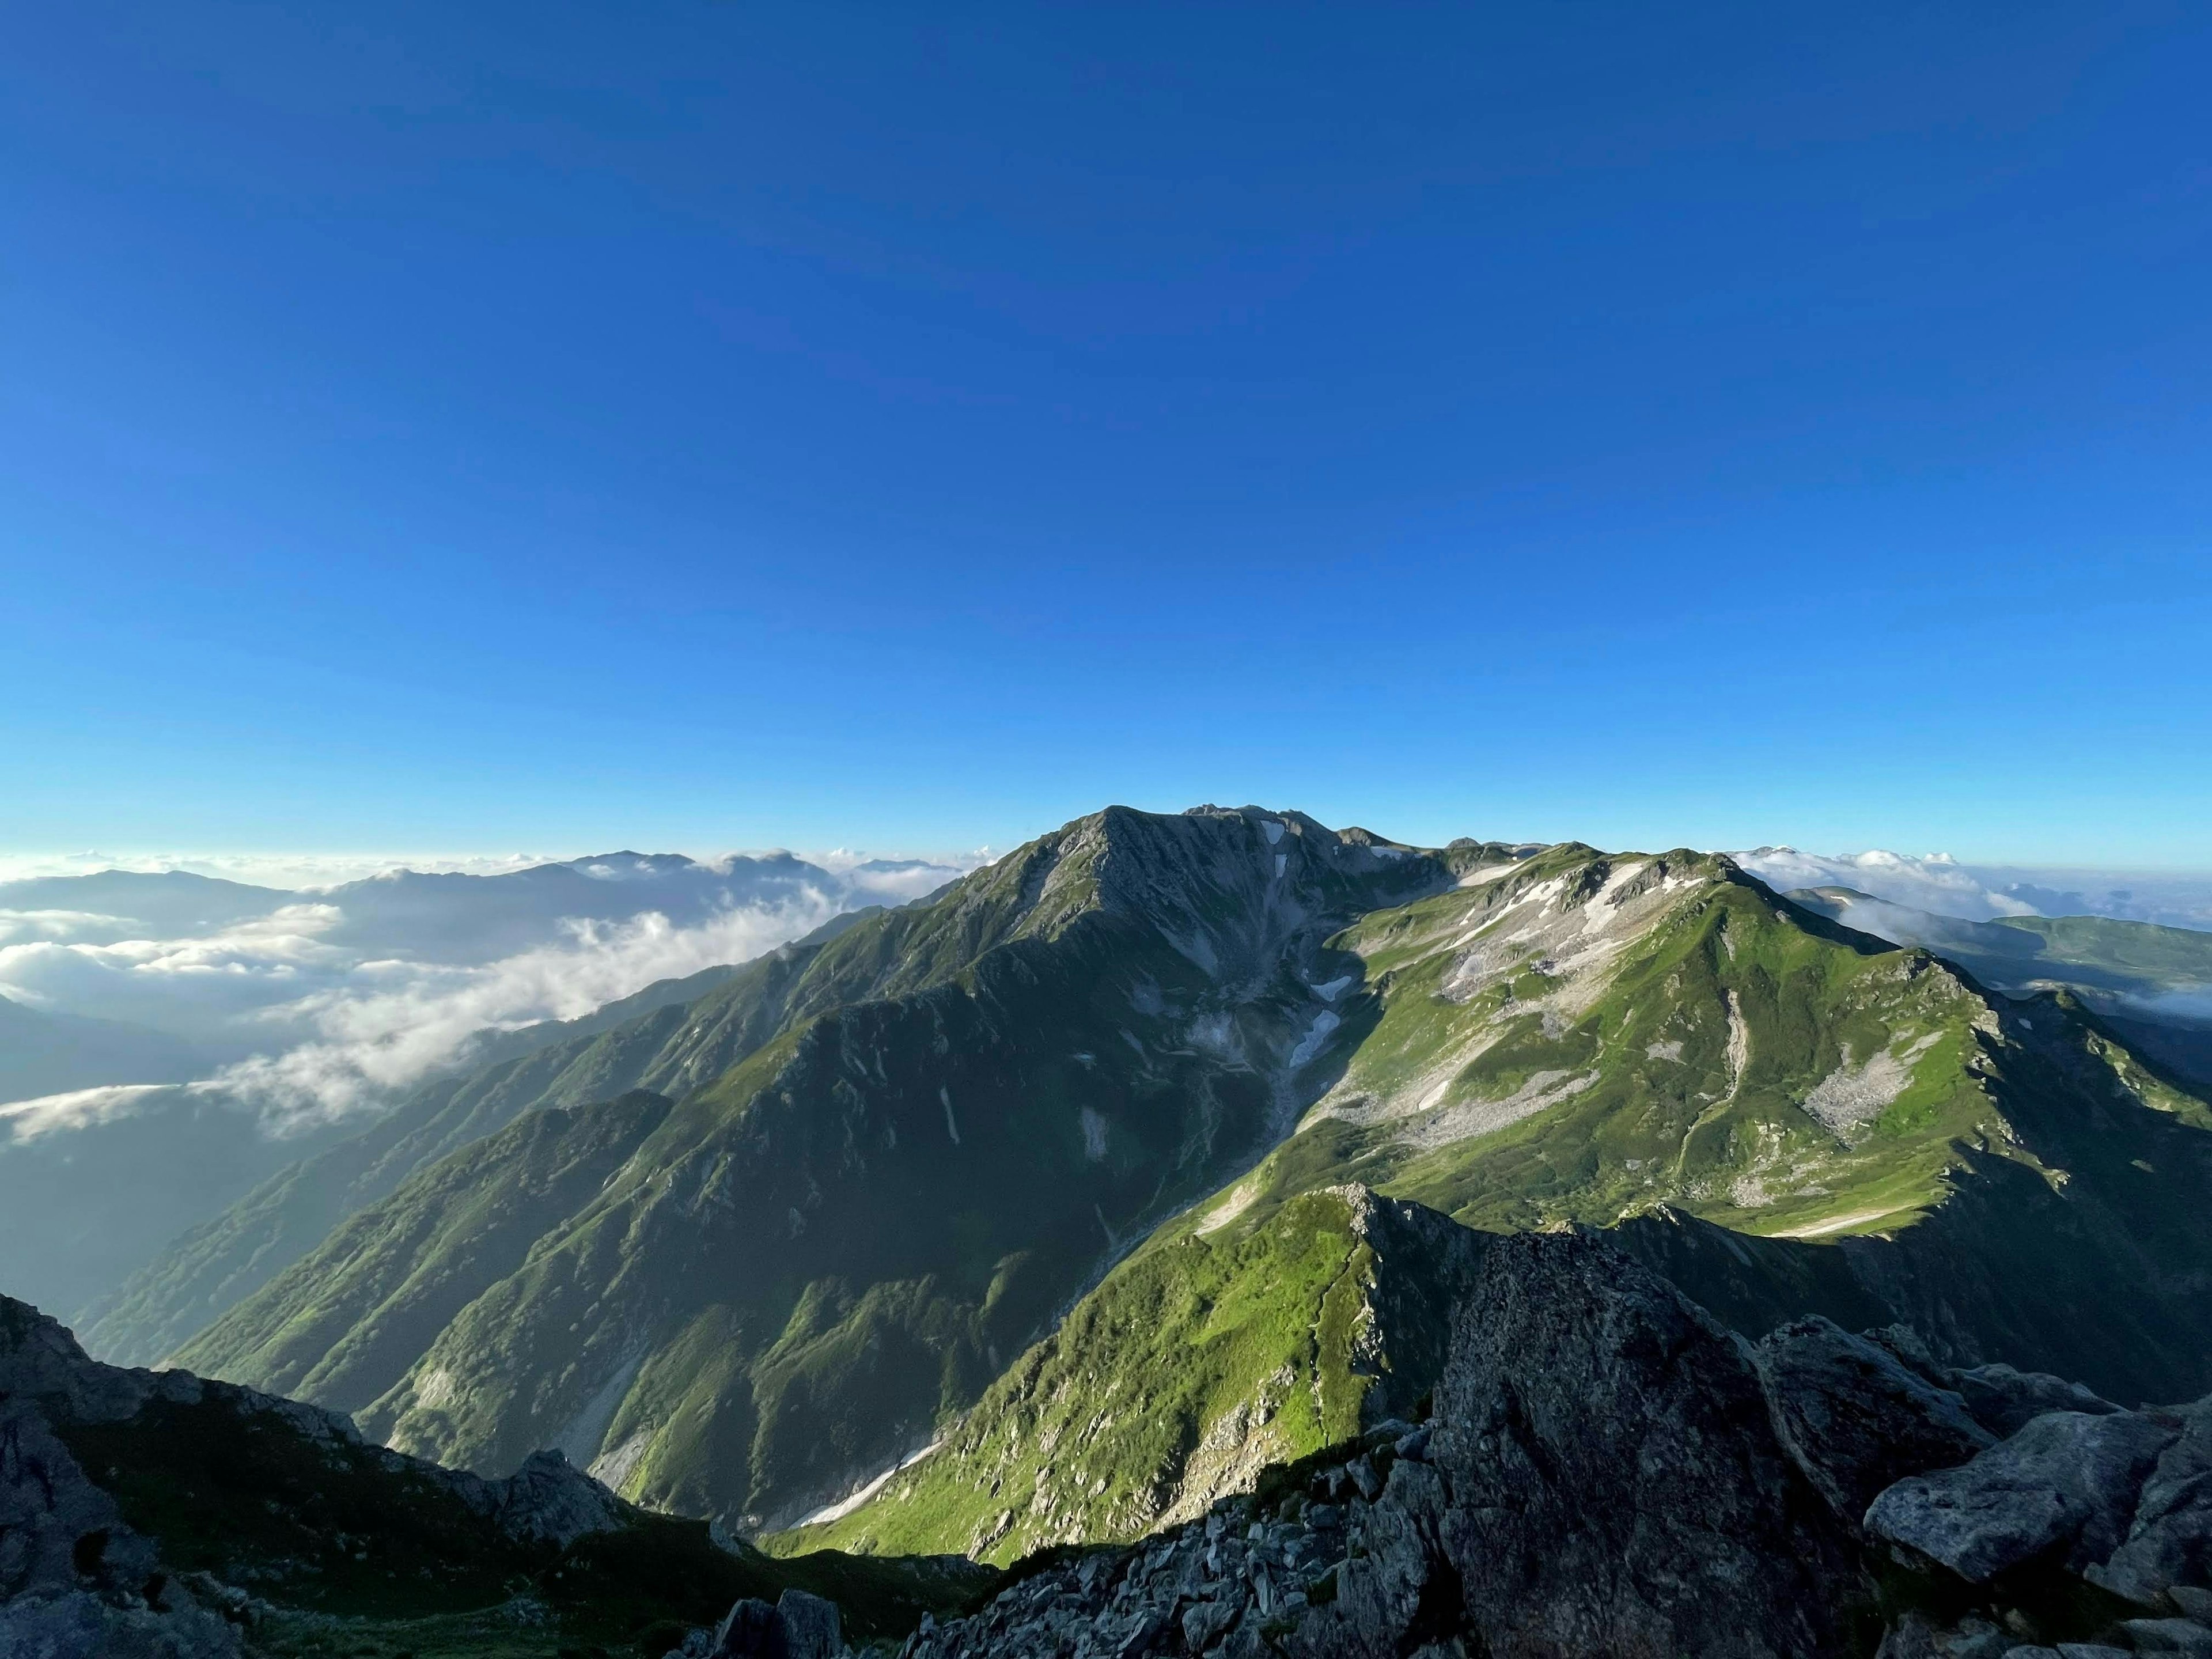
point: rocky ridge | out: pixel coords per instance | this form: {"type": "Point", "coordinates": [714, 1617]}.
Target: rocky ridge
{"type": "Point", "coordinates": [161, 1514]}
{"type": "Point", "coordinates": [1610, 1471]}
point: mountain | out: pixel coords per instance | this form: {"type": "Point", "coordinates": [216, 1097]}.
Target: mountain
{"type": "Point", "coordinates": [652, 1038]}
{"type": "Point", "coordinates": [49, 1054]}
{"type": "Point", "coordinates": [2151, 984]}
{"type": "Point", "coordinates": [93, 1183]}
{"type": "Point", "coordinates": [938, 1125]}
{"type": "Point", "coordinates": [163, 1513]}
{"type": "Point", "coordinates": [1644, 1041]}
{"type": "Point", "coordinates": [1204, 1359]}
{"type": "Point", "coordinates": [749, 1294]}
{"type": "Point", "coordinates": [109, 905]}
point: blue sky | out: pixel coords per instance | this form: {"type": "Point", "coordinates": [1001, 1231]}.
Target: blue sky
{"type": "Point", "coordinates": [714, 425]}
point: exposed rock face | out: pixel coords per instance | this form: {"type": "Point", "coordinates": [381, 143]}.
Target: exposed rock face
{"type": "Point", "coordinates": [797, 1625]}
{"type": "Point", "coordinates": [75, 1581]}
{"type": "Point", "coordinates": [547, 1500]}
{"type": "Point", "coordinates": [2169, 1543]}
{"type": "Point", "coordinates": [1605, 1478]}
{"type": "Point", "coordinates": [1854, 1417]}
{"type": "Point", "coordinates": [2067, 1482]}
{"type": "Point", "coordinates": [1617, 1483]}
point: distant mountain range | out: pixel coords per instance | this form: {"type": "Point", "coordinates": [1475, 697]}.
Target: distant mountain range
{"type": "Point", "coordinates": [1133, 1163]}
{"type": "Point", "coordinates": [167, 1041]}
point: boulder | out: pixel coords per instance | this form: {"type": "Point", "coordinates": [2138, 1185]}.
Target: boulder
{"type": "Point", "coordinates": [76, 1582]}
{"type": "Point", "coordinates": [810, 1626]}
{"type": "Point", "coordinates": [750, 1630]}
{"type": "Point", "coordinates": [547, 1500]}
{"type": "Point", "coordinates": [1854, 1417]}
{"type": "Point", "coordinates": [2004, 1401]}
{"type": "Point", "coordinates": [2064, 1488]}
{"type": "Point", "coordinates": [1616, 1483]}
{"type": "Point", "coordinates": [2169, 1542]}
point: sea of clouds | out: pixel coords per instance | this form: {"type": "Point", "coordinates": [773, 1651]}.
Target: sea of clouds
{"type": "Point", "coordinates": [318, 1008]}
{"type": "Point", "coordinates": [1942, 886]}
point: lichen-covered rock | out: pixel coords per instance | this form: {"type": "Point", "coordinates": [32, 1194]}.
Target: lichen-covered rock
{"type": "Point", "coordinates": [1854, 1417]}
{"type": "Point", "coordinates": [2064, 1488]}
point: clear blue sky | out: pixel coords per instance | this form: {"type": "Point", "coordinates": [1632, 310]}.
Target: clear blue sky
{"type": "Point", "coordinates": [699, 424]}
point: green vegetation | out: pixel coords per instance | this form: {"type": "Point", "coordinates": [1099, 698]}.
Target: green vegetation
{"type": "Point", "coordinates": [1202, 1360]}
{"type": "Point", "coordinates": [1152, 1045]}
{"type": "Point", "coordinates": [942, 1120]}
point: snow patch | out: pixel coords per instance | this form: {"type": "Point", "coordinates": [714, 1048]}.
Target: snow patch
{"type": "Point", "coordinates": [1282, 863]}
{"type": "Point", "coordinates": [1485, 874]}
{"type": "Point", "coordinates": [845, 1506]}
{"type": "Point", "coordinates": [950, 1127]}
{"type": "Point", "coordinates": [1094, 1135]}
{"type": "Point", "coordinates": [1316, 1037]}
{"type": "Point", "coordinates": [1333, 989]}
{"type": "Point", "coordinates": [1274, 829]}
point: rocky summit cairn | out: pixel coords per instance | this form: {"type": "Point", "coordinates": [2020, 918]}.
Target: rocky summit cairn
{"type": "Point", "coordinates": [1608, 1471]}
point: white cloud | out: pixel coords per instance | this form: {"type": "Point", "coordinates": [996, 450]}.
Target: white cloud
{"type": "Point", "coordinates": [1943, 886]}
{"type": "Point", "coordinates": [390, 1023]}
{"type": "Point", "coordinates": [80, 1108]}
{"type": "Point", "coordinates": [1933, 883]}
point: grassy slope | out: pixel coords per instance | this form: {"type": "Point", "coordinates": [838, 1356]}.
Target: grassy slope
{"type": "Point", "coordinates": [2013, 1159]}
{"type": "Point", "coordinates": [1994, 1181]}
{"type": "Point", "coordinates": [1194, 1364]}
{"type": "Point", "coordinates": [807, 1265]}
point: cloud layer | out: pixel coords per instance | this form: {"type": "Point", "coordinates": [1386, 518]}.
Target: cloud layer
{"type": "Point", "coordinates": [324, 1005]}
{"type": "Point", "coordinates": [1944, 887]}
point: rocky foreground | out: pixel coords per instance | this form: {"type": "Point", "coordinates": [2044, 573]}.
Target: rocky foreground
{"type": "Point", "coordinates": [1608, 1471]}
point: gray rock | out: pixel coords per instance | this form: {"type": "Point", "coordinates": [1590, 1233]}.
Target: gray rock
{"type": "Point", "coordinates": [1380, 1596]}
{"type": "Point", "coordinates": [2064, 1487]}
{"type": "Point", "coordinates": [1854, 1417]}
{"type": "Point", "coordinates": [75, 1581]}
{"type": "Point", "coordinates": [750, 1630]}
{"type": "Point", "coordinates": [1203, 1623]}
{"type": "Point", "coordinates": [2181, 1636]}
{"type": "Point", "coordinates": [2194, 1600]}
{"type": "Point", "coordinates": [547, 1500]}
{"type": "Point", "coordinates": [1616, 1483]}
{"type": "Point", "coordinates": [811, 1629]}
{"type": "Point", "coordinates": [2168, 1550]}
{"type": "Point", "coordinates": [2089, 1650]}
{"type": "Point", "coordinates": [2005, 1401]}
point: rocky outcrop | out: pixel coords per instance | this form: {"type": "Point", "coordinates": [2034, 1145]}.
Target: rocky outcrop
{"type": "Point", "coordinates": [75, 1581]}
{"type": "Point", "coordinates": [796, 1626]}
{"type": "Point", "coordinates": [1610, 1471]}
{"type": "Point", "coordinates": [1603, 1476]}
{"type": "Point", "coordinates": [2064, 1489]}
{"type": "Point", "coordinates": [1854, 1417]}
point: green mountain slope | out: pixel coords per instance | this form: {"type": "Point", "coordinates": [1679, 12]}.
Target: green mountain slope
{"type": "Point", "coordinates": [665, 1037]}
{"type": "Point", "coordinates": [1588, 1037]}
{"type": "Point", "coordinates": [2115, 964]}
{"type": "Point", "coordinates": [956, 1112]}
{"type": "Point", "coordinates": [1193, 1366]}
{"type": "Point", "coordinates": [1782, 1116]}
{"type": "Point", "coordinates": [1155, 1039]}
